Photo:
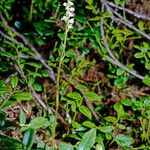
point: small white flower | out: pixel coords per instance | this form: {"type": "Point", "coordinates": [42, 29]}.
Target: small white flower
{"type": "Point", "coordinates": [72, 9]}
{"type": "Point", "coordinates": [69, 14]}
{"type": "Point", "coordinates": [65, 4]}
{"type": "Point", "coordinates": [71, 21]}
{"type": "Point", "coordinates": [72, 14]}
{"type": "Point", "coordinates": [69, 7]}
{"type": "Point", "coordinates": [70, 3]}
{"type": "Point", "coordinates": [64, 18]}
{"type": "Point", "coordinates": [70, 26]}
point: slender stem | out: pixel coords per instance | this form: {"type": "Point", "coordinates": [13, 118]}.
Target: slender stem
{"type": "Point", "coordinates": [136, 14]}
{"type": "Point", "coordinates": [31, 10]}
{"type": "Point", "coordinates": [59, 70]}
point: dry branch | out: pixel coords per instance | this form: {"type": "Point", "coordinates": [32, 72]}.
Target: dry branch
{"type": "Point", "coordinates": [27, 43]}
{"type": "Point", "coordinates": [135, 14]}
{"type": "Point", "coordinates": [111, 57]}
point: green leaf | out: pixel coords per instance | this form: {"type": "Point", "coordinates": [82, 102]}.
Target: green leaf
{"type": "Point", "coordinates": [124, 140]}
{"type": "Point", "coordinates": [88, 7]}
{"type": "Point", "coordinates": [2, 84]}
{"type": "Point", "coordinates": [126, 102]}
{"type": "Point", "coordinates": [65, 146]}
{"type": "Point", "coordinates": [44, 73]}
{"type": "Point", "coordinates": [139, 55]}
{"type": "Point", "coordinates": [147, 65]}
{"type": "Point", "coordinates": [120, 72]}
{"type": "Point", "coordinates": [34, 64]}
{"type": "Point", "coordinates": [80, 18]}
{"type": "Point", "coordinates": [14, 81]}
{"type": "Point", "coordinates": [99, 147]}
{"type": "Point", "coordinates": [106, 129]}
{"type": "Point", "coordinates": [137, 47]}
{"type": "Point", "coordinates": [89, 1]}
{"type": "Point", "coordinates": [100, 139]}
{"type": "Point", "coordinates": [108, 135]}
{"type": "Point", "coordinates": [22, 117]}
{"type": "Point", "coordinates": [28, 139]}
{"type": "Point", "coordinates": [111, 76]}
{"type": "Point", "coordinates": [74, 95]}
{"type": "Point", "coordinates": [110, 119]}
{"type": "Point", "coordinates": [3, 114]}
{"type": "Point", "coordinates": [22, 96]}
{"type": "Point", "coordinates": [89, 124]}
{"type": "Point", "coordinates": [5, 89]}
{"type": "Point", "coordinates": [73, 107]}
{"type": "Point", "coordinates": [28, 51]}
{"type": "Point", "coordinates": [138, 105]}
{"type": "Point", "coordinates": [7, 143]}
{"type": "Point", "coordinates": [148, 53]}
{"type": "Point", "coordinates": [88, 140]}
{"type": "Point", "coordinates": [70, 53]}
{"type": "Point", "coordinates": [141, 25]}
{"type": "Point", "coordinates": [37, 87]}
{"type": "Point", "coordinates": [6, 54]}
{"type": "Point", "coordinates": [8, 103]}
{"type": "Point", "coordinates": [96, 18]}
{"type": "Point", "coordinates": [121, 126]}
{"type": "Point", "coordinates": [106, 15]}
{"type": "Point", "coordinates": [81, 87]}
{"type": "Point", "coordinates": [4, 123]}
{"type": "Point", "coordinates": [85, 111]}
{"type": "Point", "coordinates": [120, 111]}
{"type": "Point", "coordinates": [146, 80]}
{"type": "Point", "coordinates": [118, 82]}
{"type": "Point", "coordinates": [40, 41]}
{"type": "Point", "coordinates": [36, 123]}
{"type": "Point", "coordinates": [31, 80]}
{"type": "Point", "coordinates": [145, 45]}
{"type": "Point", "coordinates": [93, 96]}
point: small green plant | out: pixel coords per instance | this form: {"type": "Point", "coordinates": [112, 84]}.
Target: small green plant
{"type": "Point", "coordinates": [74, 82]}
{"type": "Point", "coordinates": [143, 54]}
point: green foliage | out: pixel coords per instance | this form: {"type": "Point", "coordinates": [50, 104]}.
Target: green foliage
{"type": "Point", "coordinates": [90, 87]}
{"type": "Point", "coordinates": [10, 143]}
{"type": "Point", "coordinates": [28, 139]}
{"type": "Point", "coordinates": [124, 140]}
{"type": "Point", "coordinates": [88, 140]}
{"type": "Point", "coordinates": [65, 146]}
{"type": "Point", "coordinates": [36, 123]}
{"type": "Point", "coordinates": [143, 54]}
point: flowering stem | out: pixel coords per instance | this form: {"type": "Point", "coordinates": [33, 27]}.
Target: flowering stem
{"type": "Point", "coordinates": [59, 70]}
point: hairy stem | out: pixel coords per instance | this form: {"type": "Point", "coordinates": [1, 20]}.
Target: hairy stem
{"type": "Point", "coordinates": [59, 70]}
{"type": "Point", "coordinates": [31, 10]}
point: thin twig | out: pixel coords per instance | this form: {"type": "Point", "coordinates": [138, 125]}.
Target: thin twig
{"type": "Point", "coordinates": [112, 58]}
{"type": "Point", "coordinates": [132, 27]}
{"type": "Point", "coordinates": [117, 63]}
{"type": "Point", "coordinates": [36, 57]}
{"type": "Point", "coordinates": [123, 21]}
{"type": "Point", "coordinates": [90, 106]}
{"type": "Point", "coordinates": [39, 100]}
{"type": "Point", "coordinates": [8, 37]}
{"type": "Point", "coordinates": [26, 42]}
{"type": "Point", "coordinates": [138, 15]}
{"type": "Point", "coordinates": [24, 56]}
{"type": "Point", "coordinates": [88, 103]}
{"type": "Point", "coordinates": [121, 17]}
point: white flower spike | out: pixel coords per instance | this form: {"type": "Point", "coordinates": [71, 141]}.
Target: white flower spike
{"type": "Point", "coordinates": [69, 17]}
